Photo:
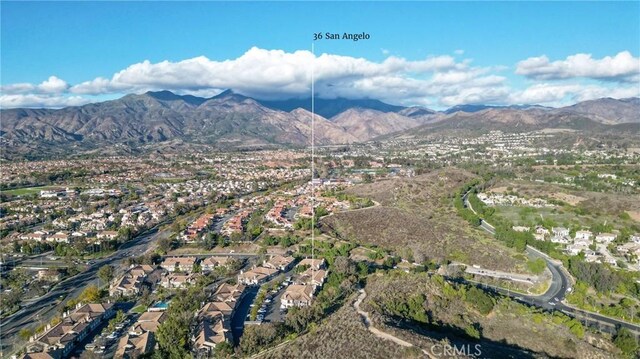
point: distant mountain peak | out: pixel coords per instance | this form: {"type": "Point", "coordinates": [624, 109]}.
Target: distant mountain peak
{"type": "Point", "coordinates": [166, 95]}
{"type": "Point", "coordinates": [329, 108]}
{"type": "Point", "coordinates": [230, 94]}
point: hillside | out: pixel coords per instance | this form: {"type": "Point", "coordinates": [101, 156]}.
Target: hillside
{"type": "Point", "coordinates": [233, 121]}
{"type": "Point", "coordinates": [530, 119]}
{"type": "Point", "coordinates": [420, 308]}
{"type": "Point", "coordinates": [416, 218]}
{"type": "Point", "coordinates": [227, 121]}
{"type": "Point", "coordinates": [331, 107]}
{"type": "Point", "coordinates": [608, 110]}
{"type": "Point", "coordinates": [365, 124]}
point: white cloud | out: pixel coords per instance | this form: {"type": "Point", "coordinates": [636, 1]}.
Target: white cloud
{"type": "Point", "coordinates": [621, 67]}
{"type": "Point", "coordinates": [258, 71]}
{"type": "Point", "coordinates": [268, 74]}
{"type": "Point", "coordinates": [37, 101]}
{"type": "Point", "coordinates": [53, 85]}
{"type": "Point", "coordinates": [563, 94]}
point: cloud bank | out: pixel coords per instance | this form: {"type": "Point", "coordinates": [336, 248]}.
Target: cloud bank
{"type": "Point", "coordinates": [436, 81]}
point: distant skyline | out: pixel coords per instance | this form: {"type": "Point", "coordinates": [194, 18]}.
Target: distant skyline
{"type": "Point", "coordinates": [55, 54]}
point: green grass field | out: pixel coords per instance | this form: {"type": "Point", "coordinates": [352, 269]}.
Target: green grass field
{"type": "Point", "coordinates": [27, 190]}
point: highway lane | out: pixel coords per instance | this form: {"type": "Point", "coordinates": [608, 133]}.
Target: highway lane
{"type": "Point", "coordinates": [72, 287]}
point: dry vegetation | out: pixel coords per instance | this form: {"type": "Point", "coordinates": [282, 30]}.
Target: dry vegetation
{"type": "Point", "coordinates": [342, 335]}
{"type": "Point", "coordinates": [509, 329]}
{"type": "Point", "coordinates": [596, 202]}
{"type": "Point", "coordinates": [416, 216]}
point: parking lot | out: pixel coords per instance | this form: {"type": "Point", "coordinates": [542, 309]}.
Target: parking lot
{"type": "Point", "coordinates": [105, 343]}
{"type": "Point", "coordinates": [272, 311]}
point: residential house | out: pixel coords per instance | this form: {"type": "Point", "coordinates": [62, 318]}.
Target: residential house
{"type": "Point", "coordinates": [148, 322]}
{"type": "Point", "coordinates": [606, 238]}
{"type": "Point", "coordinates": [214, 318]}
{"type": "Point", "coordinates": [210, 332]}
{"type": "Point", "coordinates": [195, 229]}
{"type": "Point", "coordinates": [229, 293]}
{"type": "Point", "coordinates": [575, 248]}
{"type": "Point", "coordinates": [280, 263]}
{"type": "Point", "coordinates": [317, 263]}
{"type": "Point", "coordinates": [583, 235]}
{"type": "Point", "coordinates": [59, 237]}
{"type": "Point", "coordinates": [560, 231]}
{"type": "Point", "coordinates": [38, 355]}
{"type": "Point", "coordinates": [37, 236]}
{"type": "Point", "coordinates": [130, 347]}
{"type": "Point", "coordinates": [179, 264]}
{"type": "Point", "coordinates": [256, 275]}
{"type": "Point", "coordinates": [60, 340]}
{"type": "Point", "coordinates": [297, 295]}
{"type": "Point", "coordinates": [314, 277]}
{"type": "Point", "coordinates": [560, 239]}
{"type": "Point", "coordinates": [141, 270]}
{"type": "Point", "coordinates": [126, 285]}
{"type": "Point", "coordinates": [210, 263]}
{"type": "Point", "coordinates": [108, 235]}
{"type": "Point", "coordinates": [178, 280]}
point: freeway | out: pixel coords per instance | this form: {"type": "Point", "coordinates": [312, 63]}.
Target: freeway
{"type": "Point", "coordinates": [41, 309]}
{"type": "Point", "coordinates": [553, 298]}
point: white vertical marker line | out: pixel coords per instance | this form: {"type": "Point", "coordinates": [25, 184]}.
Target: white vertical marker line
{"type": "Point", "coordinates": [313, 165]}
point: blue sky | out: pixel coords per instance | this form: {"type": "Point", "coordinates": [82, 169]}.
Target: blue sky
{"type": "Point", "coordinates": [79, 42]}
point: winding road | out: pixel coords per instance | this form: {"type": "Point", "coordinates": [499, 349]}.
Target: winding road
{"type": "Point", "coordinates": [553, 298]}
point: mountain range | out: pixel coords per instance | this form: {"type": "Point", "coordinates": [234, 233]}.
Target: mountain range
{"type": "Point", "coordinates": [233, 121]}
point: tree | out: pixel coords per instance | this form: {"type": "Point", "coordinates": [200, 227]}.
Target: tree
{"type": "Point", "coordinates": [105, 273]}
{"type": "Point", "coordinates": [173, 335]}
{"type": "Point", "coordinates": [164, 245]}
{"type": "Point", "coordinates": [257, 337]}
{"type": "Point", "coordinates": [223, 350]}
{"type": "Point", "coordinates": [25, 333]}
{"type": "Point", "coordinates": [90, 295]}
{"type": "Point", "coordinates": [116, 320]}
{"type": "Point", "coordinates": [536, 266]}
{"type": "Point", "coordinates": [125, 233]}
{"type": "Point", "coordinates": [480, 300]}
{"type": "Point", "coordinates": [210, 240]}
{"type": "Point", "coordinates": [344, 265]}
{"type": "Point", "coordinates": [625, 341]}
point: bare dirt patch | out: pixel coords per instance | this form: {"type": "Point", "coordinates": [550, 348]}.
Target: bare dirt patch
{"type": "Point", "coordinates": [635, 215]}
{"type": "Point", "coordinates": [568, 198]}
{"type": "Point", "coordinates": [502, 189]}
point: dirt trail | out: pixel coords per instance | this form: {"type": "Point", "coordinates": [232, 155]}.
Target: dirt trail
{"type": "Point", "coordinates": [377, 332]}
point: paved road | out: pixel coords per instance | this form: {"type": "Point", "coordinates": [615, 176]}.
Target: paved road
{"type": "Point", "coordinates": [42, 309]}
{"type": "Point", "coordinates": [241, 312]}
{"type": "Point", "coordinates": [553, 298]}
{"type": "Point", "coordinates": [518, 277]}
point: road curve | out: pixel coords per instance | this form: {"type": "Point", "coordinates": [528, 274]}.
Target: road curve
{"type": "Point", "coordinates": [553, 298]}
